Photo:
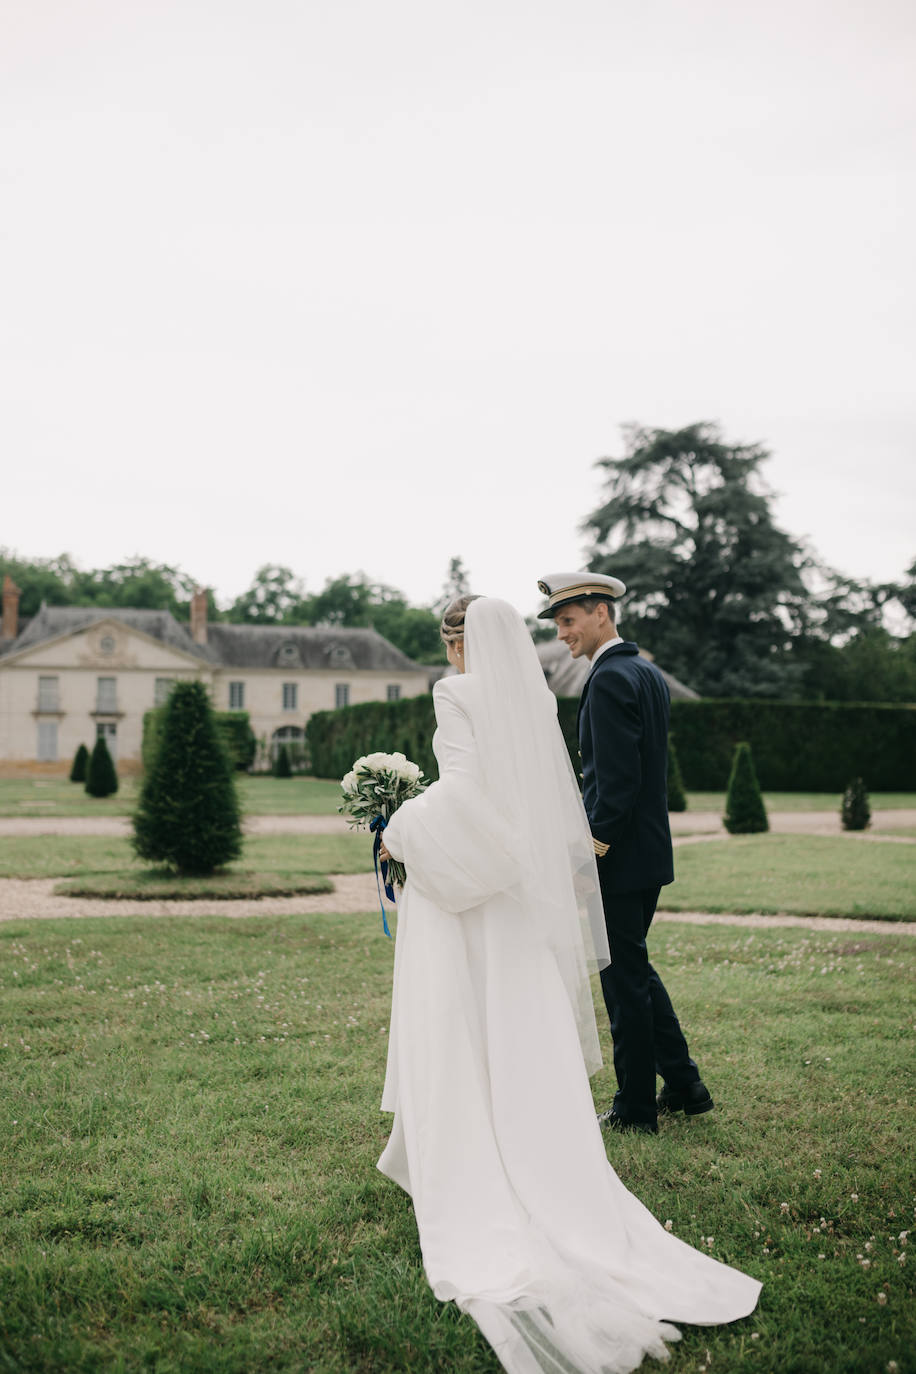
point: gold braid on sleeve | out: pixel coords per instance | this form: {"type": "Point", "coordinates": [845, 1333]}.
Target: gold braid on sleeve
{"type": "Point", "coordinates": [600, 847]}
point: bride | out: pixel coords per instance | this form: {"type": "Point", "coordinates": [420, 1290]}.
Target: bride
{"type": "Point", "coordinates": [522, 1220]}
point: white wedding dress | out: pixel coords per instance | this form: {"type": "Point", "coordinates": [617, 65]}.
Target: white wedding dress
{"type": "Point", "coordinates": [522, 1221]}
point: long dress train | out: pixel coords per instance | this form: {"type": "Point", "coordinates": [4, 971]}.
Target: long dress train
{"type": "Point", "coordinates": [522, 1221]}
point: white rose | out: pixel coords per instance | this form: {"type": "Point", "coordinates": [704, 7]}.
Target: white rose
{"type": "Point", "coordinates": [348, 782]}
{"type": "Point", "coordinates": [409, 772]}
{"type": "Point", "coordinates": [376, 762]}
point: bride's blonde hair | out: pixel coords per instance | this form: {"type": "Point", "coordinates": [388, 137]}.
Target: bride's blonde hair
{"type": "Point", "coordinates": [452, 626]}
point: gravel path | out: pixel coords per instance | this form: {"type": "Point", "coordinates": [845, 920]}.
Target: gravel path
{"type": "Point", "coordinates": [120, 825]}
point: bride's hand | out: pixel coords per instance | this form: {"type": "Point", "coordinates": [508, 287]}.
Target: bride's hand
{"type": "Point", "coordinates": [383, 853]}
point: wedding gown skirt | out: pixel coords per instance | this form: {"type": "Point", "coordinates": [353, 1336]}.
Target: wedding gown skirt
{"type": "Point", "coordinates": [522, 1221]}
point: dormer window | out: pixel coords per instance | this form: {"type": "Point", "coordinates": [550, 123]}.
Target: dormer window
{"type": "Point", "coordinates": [289, 652]}
{"type": "Point", "coordinates": [339, 656]}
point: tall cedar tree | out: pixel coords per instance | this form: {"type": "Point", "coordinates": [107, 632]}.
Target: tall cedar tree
{"type": "Point", "coordinates": [188, 816]}
{"type": "Point", "coordinates": [745, 813]}
{"type": "Point", "coordinates": [101, 777]}
{"type": "Point", "coordinates": [714, 588]}
{"type": "Point", "coordinates": [855, 813]}
{"type": "Point", "coordinates": [677, 795]}
{"type": "Point", "coordinates": [80, 764]}
{"type": "Point", "coordinates": [283, 768]}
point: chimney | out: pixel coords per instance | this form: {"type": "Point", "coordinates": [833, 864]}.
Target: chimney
{"type": "Point", "coordinates": [198, 615]}
{"type": "Point", "coordinates": [10, 609]}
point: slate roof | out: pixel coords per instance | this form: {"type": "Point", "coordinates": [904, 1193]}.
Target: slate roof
{"type": "Point", "coordinates": [230, 646]}
{"type": "Point", "coordinates": [52, 622]}
{"type": "Point", "coordinates": [305, 646]}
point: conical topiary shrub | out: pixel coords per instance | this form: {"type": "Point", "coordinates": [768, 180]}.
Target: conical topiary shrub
{"type": "Point", "coordinates": [282, 767]}
{"type": "Point", "coordinates": [188, 814]}
{"type": "Point", "coordinates": [745, 813]}
{"type": "Point", "coordinates": [677, 795]}
{"type": "Point", "coordinates": [80, 764]}
{"type": "Point", "coordinates": [855, 813]}
{"type": "Point", "coordinates": [101, 777]}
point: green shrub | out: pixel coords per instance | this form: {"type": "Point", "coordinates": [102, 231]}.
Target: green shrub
{"type": "Point", "coordinates": [282, 766]}
{"type": "Point", "coordinates": [188, 814]}
{"type": "Point", "coordinates": [855, 812]}
{"type": "Point", "coordinates": [677, 796]}
{"type": "Point", "coordinates": [234, 726]}
{"type": "Point", "coordinates": [745, 813]}
{"type": "Point", "coordinates": [80, 764]}
{"type": "Point", "coordinates": [101, 777]}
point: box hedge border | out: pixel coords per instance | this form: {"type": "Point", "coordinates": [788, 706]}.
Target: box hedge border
{"type": "Point", "coordinates": [797, 746]}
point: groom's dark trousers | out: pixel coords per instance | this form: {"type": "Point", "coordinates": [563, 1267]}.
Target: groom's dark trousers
{"type": "Point", "coordinates": [623, 737]}
{"type": "Point", "coordinates": [647, 1035]}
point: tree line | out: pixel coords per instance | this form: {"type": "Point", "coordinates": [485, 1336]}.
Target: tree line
{"type": "Point", "coordinates": [276, 597]}
{"type": "Point", "coordinates": [722, 597]}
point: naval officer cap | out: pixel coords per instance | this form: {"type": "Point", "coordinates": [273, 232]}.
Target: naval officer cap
{"type": "Point", "coordinates": [561, 588]}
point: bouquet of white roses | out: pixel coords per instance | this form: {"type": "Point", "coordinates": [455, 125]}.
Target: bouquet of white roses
{"type": "Point", "coordinates": [374, 788]}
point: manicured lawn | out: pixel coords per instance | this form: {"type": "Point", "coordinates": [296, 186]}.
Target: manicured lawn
{"type": "Point", "coordinates": [811, 875]}
{"type": "Point", "coordinates": [65, 856]}
{"type": "Point", "coordinates": [189, 1129]}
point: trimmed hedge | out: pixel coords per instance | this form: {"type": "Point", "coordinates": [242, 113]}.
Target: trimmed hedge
{"type": "Point", "coordinates": [797, 746]}
{"type": "Point", "coordinates": [803, 746]}
{"type": "Point", "coordinates": [234, 728]}
{"type": "Point", "coordinates": [336, 738]}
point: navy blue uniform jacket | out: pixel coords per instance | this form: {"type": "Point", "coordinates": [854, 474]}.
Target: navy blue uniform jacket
{"type": "Point", "coordinates": [623, 738]}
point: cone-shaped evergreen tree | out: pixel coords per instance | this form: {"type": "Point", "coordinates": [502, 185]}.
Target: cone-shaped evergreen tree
{"type": "Point", "coordinates": [188, 814]}
{"type": "Point", "coordinates": [282, 767]}
{"type": "Point", "coordinates": [80, 764]}
{"type": "Point", "coordinates": [677, 795]}
{"type": "Point", "coordinates": [101, 777]}
{"type": "Point", "coordinates": [855, 813]}
{"type": "Point", "coordinates": [745, 813]}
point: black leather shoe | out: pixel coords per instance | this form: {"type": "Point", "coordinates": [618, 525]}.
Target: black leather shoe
{"type": "Point", "coordinates": [692, 1101]}
{"type": "Point", "coordinates": [610, 1121]}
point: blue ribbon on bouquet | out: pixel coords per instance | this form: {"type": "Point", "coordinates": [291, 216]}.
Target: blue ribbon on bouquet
{"type": "Point", "coordinates": [378, 825]}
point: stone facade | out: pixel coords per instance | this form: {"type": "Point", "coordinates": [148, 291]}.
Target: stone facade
{"type": "Point", "coordinates": [72, 673]}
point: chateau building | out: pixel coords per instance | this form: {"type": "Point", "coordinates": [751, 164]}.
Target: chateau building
{"type": "Point", "coordinates": [72, 673]}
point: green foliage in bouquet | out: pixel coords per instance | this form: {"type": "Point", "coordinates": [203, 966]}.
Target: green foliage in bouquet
{"type": "Point", "coordinates": [745, 813]}
{"type": "Point", "coordinates": [188, 816]}
{"type": "Point", "coordinates": [282, 766]}
{"type": "Point", "coordinates": [377, 785]}
{"type": "Point", "coordinates": [855, 812]}
{"type": "Point", "coordinates": [677, 796]}
{"type": "Point", "coordinates": [101, 777]}
{"type": "Point", "coordinates": [80, 764]}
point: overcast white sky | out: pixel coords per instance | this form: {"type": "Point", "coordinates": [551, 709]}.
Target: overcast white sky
{"type": "Point", "coordinates": [364, 284]}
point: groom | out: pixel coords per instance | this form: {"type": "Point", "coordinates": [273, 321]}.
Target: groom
{"type": "Point", "coordinates": [623, 742]}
